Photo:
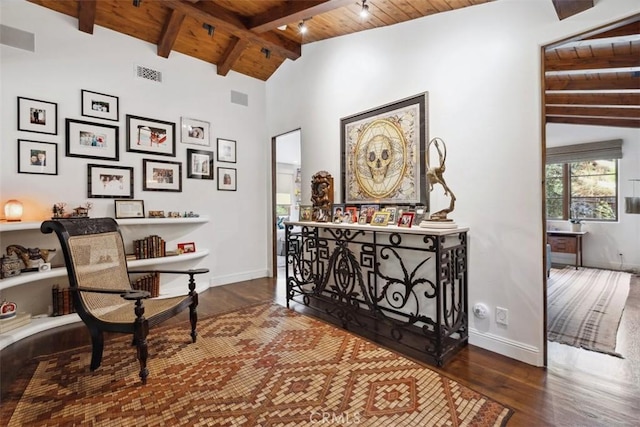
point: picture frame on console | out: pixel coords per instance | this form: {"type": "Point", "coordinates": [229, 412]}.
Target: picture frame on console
{"type": "Point", "coordinates": [109, 182]}
{"type": "Point", "coordinates": [37, 157]}
{"type": "Point", "coordinates": [37, 116]}
{"type": "Point", "coordinates": [151, 136]}
{"type": "Point", "coordinates": [92, 140]}
{"type": "Point", "coordinates": [383, 153]}
{"type": "Point", "coordinates": [100, 105]}
{"type": "Point", "coordinates": [160, 175]}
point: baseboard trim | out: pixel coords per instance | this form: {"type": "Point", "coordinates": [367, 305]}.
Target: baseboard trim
{"type": "Point", "coordinates": [514, 349]}
{"type": "Point", "coordinates": [233, 278]}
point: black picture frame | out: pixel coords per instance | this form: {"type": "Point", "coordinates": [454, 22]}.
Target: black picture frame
{"type": "Point", "coordinates": [91, 140]}
{"type": "Point", "coordinates": [109, 182]}
{"type": "Point", "coordinates": [143, 133]}
{"type": "Point", "coordinates": [199, 164]}
{"type": "Point", "coordinates": [37, 116]}
{"type": "Point", "coordinates": [128, 208]}
{"type": "Point", "coordinates": [227, 179]}
{"type": "Point", "coordinates": [161, 175]}
{"type": "Point", "coordinates": [99, 105]}
{"type": "Point", "coordinates": [397, 175]}
{"type": "Point", "coordinates": [36, 157]}
{"type": "Point", "coordinates": [226, 150]}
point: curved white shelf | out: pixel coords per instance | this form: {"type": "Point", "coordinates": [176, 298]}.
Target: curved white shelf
{"type": "Point", "coordinates": [36, 325]}
{"type": "Point", "coordinates": [62, 271]}
{"type": "Point", "coordinates": [35, 225]}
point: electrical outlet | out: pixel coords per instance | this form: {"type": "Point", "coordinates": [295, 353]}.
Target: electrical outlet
{"type": "Point", "coordinates": [502, 316]}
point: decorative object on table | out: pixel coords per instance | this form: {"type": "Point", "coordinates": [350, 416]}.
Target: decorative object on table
{"type": "Point", "coordinates": [11, 266]}
{"type": "Point", "coordinates": [13, 210]}
{"type": "Point", "coordinates": [109, 182]}
{"type": "Point", "coordinates": [576, 225]}
{"type": "Point", "coordinates": [81, 211]}
{"type": "Point", "coordinates": [191, 214]}
{"type": "Point", "coordinates": [362, 219]}
{"type": "Point", "coordinates": [199, 164]}
{"type": "Point", "coordinates": [185, 248]}
{"type": "Point", "coordinates": [31, 258]}
{"type": "Point", "coordinates": [322, 191]}
{"type": "Point", "coordinates": [380, 218]}
{"type": "Point", "coordinates": [151, 136]}
{"type": "Point", "coordinates": [226, 150]}
{"type": "Point", "coordinates": [100, 105]}
{"type": "Point", "coordinates": [8, 310]}
{"type": "Point", "coordinates": [37, 116]}
{"type": "Point", "coordinates": [195, 132]}
{"type": "Point", "coordinates": [92, 140]}
{"type": "Point", "coordinates": [321, 214]}
{"type": "Point", "coordinates": [383, 153]}
{"type": "Point", "coordinates": [306, 213]}
{"type": "Point", "coordinates": [57, 211]}
{"type": "Point", "coordinates": [37, 157]}
{"type": "Point", "coordinates": [435, 175]}
{"type": "Point", "coordinates": [227, 179]}
{"type": "Point", "coordinates": [161, 175]}
{"type": "Point", "coordinates": [406, 219]}
{"type": "Point", "coordinates": [156, 214]}
{"type": "Point", "coordinates": [129, 209]}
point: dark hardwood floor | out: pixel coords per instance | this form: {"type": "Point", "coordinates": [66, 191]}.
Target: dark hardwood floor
{"type": "Point", "coordinates": [575, 390]}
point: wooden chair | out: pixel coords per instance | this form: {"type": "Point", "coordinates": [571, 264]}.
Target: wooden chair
{"type": "Point", "coordinates": [98, 277]}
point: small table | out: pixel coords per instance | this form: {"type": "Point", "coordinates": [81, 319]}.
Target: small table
{"type": "Point", "coordinates": [568, 242]}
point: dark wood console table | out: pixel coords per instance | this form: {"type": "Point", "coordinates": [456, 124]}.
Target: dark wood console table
{"type": "Point", "coordinates": [402, 287]}
{"type": "Point", "coordinates": [568, 242]}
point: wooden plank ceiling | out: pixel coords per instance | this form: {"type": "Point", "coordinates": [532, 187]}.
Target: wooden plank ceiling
{"type": "Point", "coordinates": [594, 79]}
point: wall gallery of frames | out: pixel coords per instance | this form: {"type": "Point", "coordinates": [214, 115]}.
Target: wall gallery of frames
{"type": "Point", "coordinates": [99, 141]}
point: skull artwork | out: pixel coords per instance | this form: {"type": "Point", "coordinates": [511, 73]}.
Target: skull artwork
{"type": "Point", "coordinates": [379, 155]}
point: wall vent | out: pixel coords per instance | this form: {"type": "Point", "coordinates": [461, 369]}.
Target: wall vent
{"type": "Point", "coordinates": [239, 98]}
{"type": "Point", "coordinates": [147, 73]}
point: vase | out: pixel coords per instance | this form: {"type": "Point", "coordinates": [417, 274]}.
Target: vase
{"type": "Point", "coordinates": [576, 227]}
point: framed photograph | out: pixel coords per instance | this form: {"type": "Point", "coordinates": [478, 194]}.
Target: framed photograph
{"type": "Point", "coordinates": [362, 219]}
{"type": "Point", "coordinates": [406, 219]}
{"type": "Point", "coordinates": [393, 210]}
{"type": "Point", "coordinates": [227, 179]}
{"type": "Point", "coordinates": [37, 116]}
{"type": "Point", "coordinates": [321, 214]}
{"type": "Point", "coordinates": [129, 208]}
{"type": "Point", "coordinates": [354, 212]}
{"type": "Point", "coordinates": [109, 182]}
{"type": "Point", "coordinates": [186, 247]}
{"type": "Point", "coordinates": [306, 213]}
{"type": "Point", "coordinates": [37, 157]}
{"type": "Point", "coordinates": [381, 218]}
{"type": "Point", "coordinates": [92, 140]}
{"type": "Point", "coordinates": [156, 214]}
{"type": "Point", "coordinates": [226, 150]}
{"type": "Point", "coordinates": [195, 131]}
{"type": "Point", "coordinates": [383, 153]}
{"type": "Point", "coordinates": [369, 210]}
{"type": "Point", "coordinates": [151, 136]}
{"type": "Point", "coordinates": [338, 213]}
{"type": "Point", "coordinates": [160, 175]}
{"type": "Point", "coordinates": [100, 105]}
{"type": "Point", "coordinates": [199, 164]}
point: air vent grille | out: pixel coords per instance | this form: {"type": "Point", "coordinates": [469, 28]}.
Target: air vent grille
{"type": "Point", "coordinates": [147, 73]}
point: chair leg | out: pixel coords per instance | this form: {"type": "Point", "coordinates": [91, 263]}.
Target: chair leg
{"type": "Point", "coordinates": [97, 345]}
{"type": "Point", "coordinates": [193, 315]}
{"type": "Point", "coordinates": [140, 332]}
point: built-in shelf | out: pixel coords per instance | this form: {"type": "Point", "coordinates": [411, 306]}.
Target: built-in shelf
{"type": "Point", "coordinates": [35, 225]}
{"type": "Point", "coordinates": [38, 324]}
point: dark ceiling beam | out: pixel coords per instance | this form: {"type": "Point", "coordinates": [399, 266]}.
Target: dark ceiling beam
{"type": "Point", "coordinates": [292, 11]}
{"type": "Point", "coordinates": [231, 55]}
{"type": "Point", "coordinates": [601, 81]}
{"type": "Point", "coordinates": [170, 33]}
{"type": "Point", "coordinates": [86, 15]}
{"type": "Point", "coordinates": [223, 19]}
{"type": "Point", "coordinates": [595, 121]}
{"type": "Point", "coordinates": [593, 99]}
{"type": "Point", "coordinates": [611, 60]}
{"type": "Point", "coordinates": [567, 8]}
{"type": "Point", "coordinates": [630, 29]}
{"type": "Point", "coordinates": [573, 110]}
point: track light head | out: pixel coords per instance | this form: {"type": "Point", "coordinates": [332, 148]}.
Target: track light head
{"type": "Point", "coordinates": [302, 27]}
{"type": "Point", "coordinates": [266, 52]}
{"type": "Point", "coordinates": [364, 11]}
{"type": "Point", "coordinates": [210, 28]}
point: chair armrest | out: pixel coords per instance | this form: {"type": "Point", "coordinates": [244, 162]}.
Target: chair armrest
{"type": "Point", "coordinates": [192, 271]}
{"type": "Point", "coordinates": [125, 293]}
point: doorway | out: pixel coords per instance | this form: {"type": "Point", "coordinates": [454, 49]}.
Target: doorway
{"type": "Point", "coordinates": [286, 191]}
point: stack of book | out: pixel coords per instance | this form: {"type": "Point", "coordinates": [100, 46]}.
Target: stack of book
{"type": "Point", "coordinates": [62, 301]}
{"type": "Point", "coordinates": [149, 247]}
{"type": "Point", "coordinates": [149, 283]}
{"type": "Point", "coordinates": [16, 321]}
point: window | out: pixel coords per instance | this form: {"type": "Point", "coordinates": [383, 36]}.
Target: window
{"type": "Point", "coordinates": [585, 190]}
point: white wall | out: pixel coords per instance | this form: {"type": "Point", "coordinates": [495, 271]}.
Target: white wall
{"type": "Point", "coordinates": [67, 61]}
{"type": "Point", "coordinates": [606, 240]}
{"type": "Point", "coordinates": [481, 67]}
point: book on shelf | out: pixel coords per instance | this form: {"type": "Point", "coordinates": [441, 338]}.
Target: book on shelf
{"type": "Point", "coordinates": [20, 319]}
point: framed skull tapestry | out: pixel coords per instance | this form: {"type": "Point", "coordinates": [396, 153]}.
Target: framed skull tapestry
{"type": "Point", "coordinates": [383, 154]}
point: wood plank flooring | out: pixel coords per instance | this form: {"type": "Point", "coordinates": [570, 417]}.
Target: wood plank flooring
{"type": "Point", "coordinates": [579, 388]}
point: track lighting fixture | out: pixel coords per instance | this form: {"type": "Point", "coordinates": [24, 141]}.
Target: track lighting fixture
{"type": "Point", "coordinates": [364, 12]}
{"type": "Point", "coordinates": [210, 28]}
{"type": "Point", "coordinates": [302, 27]}
{"type": "Point", "coordinates": [266, 52]}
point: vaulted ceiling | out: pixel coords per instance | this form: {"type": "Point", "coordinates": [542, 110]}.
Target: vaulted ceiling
{"type": "Point", "coordinates": [255, 37]}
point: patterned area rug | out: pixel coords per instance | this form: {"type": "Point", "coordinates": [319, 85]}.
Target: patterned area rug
{"type": "Point", "coordinates": [259, 366]}
{"type": "Point", "coordinates": [585, 307]}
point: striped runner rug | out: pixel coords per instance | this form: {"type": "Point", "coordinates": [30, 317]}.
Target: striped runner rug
{"type": "Point", "coordinates": [585, 307]}
{"type": "Point", "coordinates": [259, 366]}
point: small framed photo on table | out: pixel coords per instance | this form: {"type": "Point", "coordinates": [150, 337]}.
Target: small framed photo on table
{"type": "Point", "coordinates": [199, 164]}
{"type": "Point", "coordinates": [129, 209]}
{"type": "Point", "coordinates": [306, 213]}
{"type": "Point", "coordinates": [185, 248]}
{"type": "Point", "coordinates": [37, 157]}
{"type": "Point", "coordinates": [109, 182]}
{"type": "Point", "coordinates": [406, 219]}
{"type": "Point", "coordinates": [37, 116]}
{"type": "Point", "coordinates": [100, 105]}
{"type": "Point", "coordinates": [380, 218]}
{"type": "Point", "coordinates": [226, 150]}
